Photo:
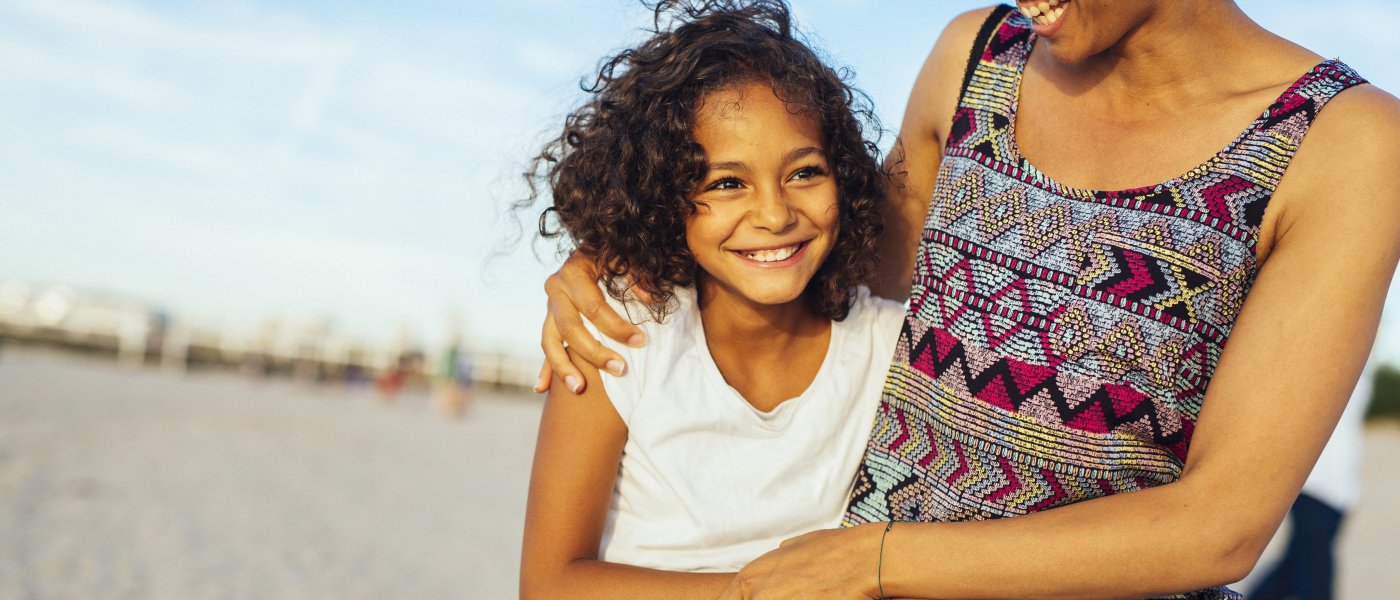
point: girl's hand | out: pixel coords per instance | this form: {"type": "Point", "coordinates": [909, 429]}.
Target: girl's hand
{"type": "Point", "coordinates": [831, 563]}
{"type": "Point", "coordinates": [573, 296]}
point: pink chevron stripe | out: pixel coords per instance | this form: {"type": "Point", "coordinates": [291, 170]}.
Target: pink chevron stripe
{"type": "Point", "coordinates": [1027, 375]}
{"type": "Point", "coordinates": [1217, 197]}
{"type": "Point", "coordinates": [932, 447]}
{"type": "Point", "coordinates": [925, 362]}
{"type": "Point", "coordinates": [1013, 482]}
{"type": "Point", "coordinates": [1091, 420]}
{"type": "Point", "coordinates": [962, 465]}
{"type": "Point", "coordinates": [1141, 275]}
{"type": "Point", "coordinates": [994, 393]}
{"type": "Point", "coordinates": [1056, 497]}
{"type": "Point", "coordinates": [1124, 397]}
{"type": "Point", "coordinates": [903, 437]}
{"type": "Point", "coordinates": [1017, 290]}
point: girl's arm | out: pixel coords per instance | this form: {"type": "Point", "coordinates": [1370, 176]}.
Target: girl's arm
{"type": "Point", "coordinates": [576, 458]}
{"type": "Point", "coordinates": [1282, 381]}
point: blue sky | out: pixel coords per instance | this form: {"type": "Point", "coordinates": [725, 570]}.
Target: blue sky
{"type": "Point", "coordinates": [352, 160]}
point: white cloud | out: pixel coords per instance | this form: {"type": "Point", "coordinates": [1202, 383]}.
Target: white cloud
{"type": "Point", "coordinates": [141, 144]}
{"type": "Point", "coordinates": [27, 65]}
{"type": "Point", "coordinates": [272, 38]}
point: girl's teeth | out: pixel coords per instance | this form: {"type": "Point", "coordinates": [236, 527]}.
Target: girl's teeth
{"type": "Point", "coordinates": [772, 255]}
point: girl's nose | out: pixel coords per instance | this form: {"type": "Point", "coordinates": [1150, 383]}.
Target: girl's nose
{"type": "Point", "coordinates": [774, 212]}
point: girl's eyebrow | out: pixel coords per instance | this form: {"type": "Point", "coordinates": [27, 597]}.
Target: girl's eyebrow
{"type": "Point", "coordinates": [736, 165]}
{"type": "Point", "coordinates": [801, 152]}
{"type": "Point", "coordinates": [733, 165]}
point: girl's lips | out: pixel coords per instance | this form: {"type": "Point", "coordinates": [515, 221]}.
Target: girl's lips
{"type": "Point", "coordinates": [770, 264]}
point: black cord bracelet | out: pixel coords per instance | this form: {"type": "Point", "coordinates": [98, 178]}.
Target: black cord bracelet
{"type": "Point", "coordinates": [880, 566]}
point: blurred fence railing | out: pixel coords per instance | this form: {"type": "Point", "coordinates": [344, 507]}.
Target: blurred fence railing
{"type": "Point", "coordinates": [138, 333]}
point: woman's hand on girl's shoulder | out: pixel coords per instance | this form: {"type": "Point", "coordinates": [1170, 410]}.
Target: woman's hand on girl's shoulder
{"type": "Point", "coordinates": [574, 295]}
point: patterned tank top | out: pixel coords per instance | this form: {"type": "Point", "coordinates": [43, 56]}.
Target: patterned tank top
{"type": "Point", "coordinates": [1059, 341]}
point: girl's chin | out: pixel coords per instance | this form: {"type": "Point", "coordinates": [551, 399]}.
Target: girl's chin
{"type": "Point", "coordinates": [769, 295]}
{"type": "Point", "coordinates": [762, 293]}
{"type": "Point", "coordinates": [775, 299]}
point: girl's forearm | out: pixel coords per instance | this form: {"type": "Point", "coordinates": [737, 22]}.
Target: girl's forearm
{"type": "Point", "coordinates": [588, 579]}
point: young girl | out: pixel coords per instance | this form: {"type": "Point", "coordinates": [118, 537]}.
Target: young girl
{"type": "Point", "coordinates": [720, 171]}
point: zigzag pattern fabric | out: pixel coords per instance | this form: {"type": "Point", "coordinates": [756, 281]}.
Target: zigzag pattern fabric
{"type": "Point", "coordinates": [1059, 341]}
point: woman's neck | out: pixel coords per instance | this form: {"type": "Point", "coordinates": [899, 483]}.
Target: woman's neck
{"type": "Point", "coordinates": [768, 352]}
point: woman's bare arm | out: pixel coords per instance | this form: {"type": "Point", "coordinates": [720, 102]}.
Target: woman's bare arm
{"type": "Point", "coordinates": [1282, 381]}
{"type": "Point", "coordinates": [576, 457]}
{"type": "Point", "coordinates": [913, 162]}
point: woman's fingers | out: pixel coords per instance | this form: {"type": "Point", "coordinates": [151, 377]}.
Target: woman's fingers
{"type": "Point", "coordinates": [546, 377]}
{"type": "Point", "coordinates": [578, 279]}
{"type": "Point", "coordinates": [556, 359]}
{"type": "Point", "coordinates": [574, 295]}
{"type": "Point", "coordinates": [736, 590]}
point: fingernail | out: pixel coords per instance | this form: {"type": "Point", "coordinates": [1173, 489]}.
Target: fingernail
{"type": "Point", "coordinates": [573, 383]}
{"type": "Point", "coordinates": [637, 340]}
{"type": "Point", "coordinates": [539, 384]}
{"type": "Point", "coordinates": [616, 367]}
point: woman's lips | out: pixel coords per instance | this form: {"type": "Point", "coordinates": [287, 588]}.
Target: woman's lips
{"type": "Point", "coordinates": [1044, 13]}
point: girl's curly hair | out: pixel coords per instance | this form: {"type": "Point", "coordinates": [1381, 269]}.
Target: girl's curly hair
{"type": "Point", "coordinates": [623, 170]}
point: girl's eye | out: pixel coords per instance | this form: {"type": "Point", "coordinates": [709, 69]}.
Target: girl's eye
{"type": "Point", "coordinates": [809, 172]}
{"type": "Point", "coordinates": [728, 183]}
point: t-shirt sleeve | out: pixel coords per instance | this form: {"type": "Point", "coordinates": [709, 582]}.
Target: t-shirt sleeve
{"type": "Point", "coordinates": [624, 391]}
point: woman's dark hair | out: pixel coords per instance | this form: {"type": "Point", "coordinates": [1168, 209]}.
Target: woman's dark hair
{"type": "Point", "coordinates": [624, 169]}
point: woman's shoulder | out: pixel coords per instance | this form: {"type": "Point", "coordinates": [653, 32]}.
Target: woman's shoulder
{"type": "Point", "coordinates": [1364, 117]}
{"type": "Point", "coordinates": [1349, 158]}
{"type": "Point", "coordinates": [935, 94]}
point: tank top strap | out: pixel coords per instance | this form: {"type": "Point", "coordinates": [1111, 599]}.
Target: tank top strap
{"type": "Point", "coordinates": [1264, 150]}
{"type": "Point", "coordinates": [991, 83]}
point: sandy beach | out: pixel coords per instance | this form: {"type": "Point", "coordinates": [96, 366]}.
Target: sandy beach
{"type": "Point", "coordinates": [126, 483]}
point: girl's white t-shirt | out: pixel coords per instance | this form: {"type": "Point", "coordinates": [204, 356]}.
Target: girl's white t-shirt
{"type": "Point", "coordinates": [707, 482]}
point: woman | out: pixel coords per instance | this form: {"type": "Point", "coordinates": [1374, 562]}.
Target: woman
{"type": "Point", "coordinates": [1089, 375]}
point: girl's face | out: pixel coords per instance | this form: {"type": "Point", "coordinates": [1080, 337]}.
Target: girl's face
{"type": "Point", "coordinates": [767, 214]}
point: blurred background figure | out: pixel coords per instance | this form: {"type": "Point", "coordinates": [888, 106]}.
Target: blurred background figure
{"type": "Point", "coordinates": [1308, 568]}
{"type": "Point", "coordinates": [452, 370]}
{"type": "Point", "coordinates": [452, 381]}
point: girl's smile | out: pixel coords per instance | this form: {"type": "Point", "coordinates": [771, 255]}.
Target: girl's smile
{"type": "Point", "coordinates": [774, 257]}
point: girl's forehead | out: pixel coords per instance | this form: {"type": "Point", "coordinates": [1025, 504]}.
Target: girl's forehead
{"type": "Point", "coordinates": [749, 106]}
